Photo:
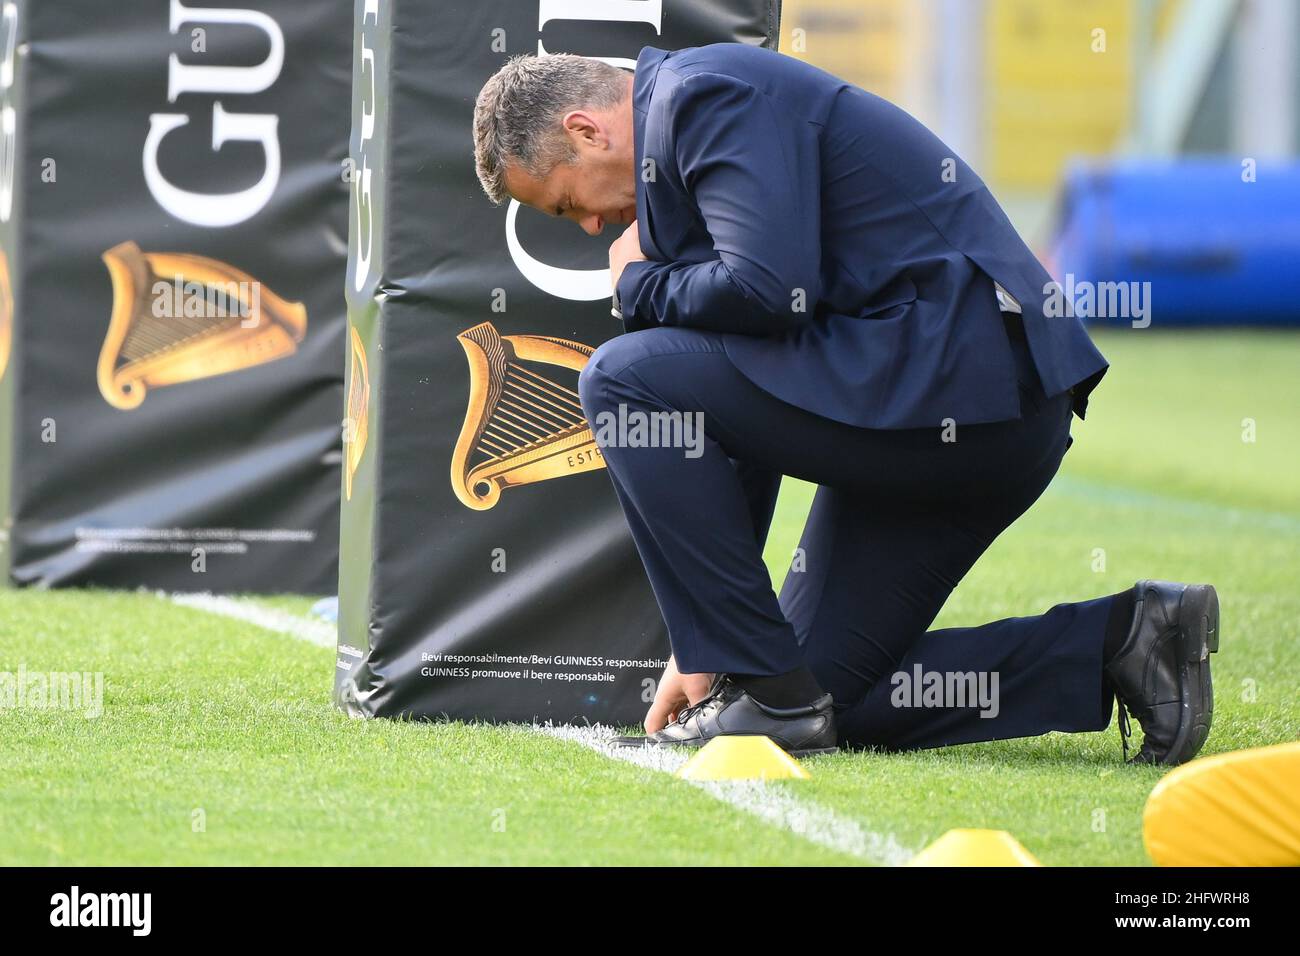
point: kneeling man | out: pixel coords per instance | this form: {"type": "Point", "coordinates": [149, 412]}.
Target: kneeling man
{"type": "Point", "coordinates": [837, 297]}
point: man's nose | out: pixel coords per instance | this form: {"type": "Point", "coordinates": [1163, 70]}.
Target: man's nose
{"type": "Point", "coordinates": [591, 224]}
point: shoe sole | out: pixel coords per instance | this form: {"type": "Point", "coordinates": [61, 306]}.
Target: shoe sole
{"type": "Point", "coordinates": [1198, 638]}
{"type": "Point", "coordinates": [1198, 629]}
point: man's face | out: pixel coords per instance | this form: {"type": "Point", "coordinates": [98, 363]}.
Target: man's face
{"type": "Point", "coordinates": [600, 187]}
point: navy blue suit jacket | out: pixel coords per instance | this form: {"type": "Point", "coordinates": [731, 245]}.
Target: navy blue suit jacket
{"type": "Point", "coordinates": [853, 251]}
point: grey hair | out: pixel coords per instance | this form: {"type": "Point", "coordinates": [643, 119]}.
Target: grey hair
{"type": "Point", "coordinates": [518, 112]}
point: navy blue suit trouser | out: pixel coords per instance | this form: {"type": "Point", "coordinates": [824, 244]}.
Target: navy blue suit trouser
{"type": "Point", "coordinates": [898, 518]}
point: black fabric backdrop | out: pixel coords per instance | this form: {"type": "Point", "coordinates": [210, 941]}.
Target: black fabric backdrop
{"type": "Point", "coordinates": [243, 466]}
{"type": "Point", "coordinates": [537, 607]}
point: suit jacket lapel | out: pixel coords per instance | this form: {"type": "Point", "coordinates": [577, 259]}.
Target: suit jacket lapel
{"type": "Point", "coordinates": [643, 84]}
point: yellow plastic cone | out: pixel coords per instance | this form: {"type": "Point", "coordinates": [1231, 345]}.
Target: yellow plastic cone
{"type": "Point", "coordinates": [975, 848]}
{"type": "Point", "coordinates": [1235, 809]}
{"type": "Point", "coordinates": [742, 758]}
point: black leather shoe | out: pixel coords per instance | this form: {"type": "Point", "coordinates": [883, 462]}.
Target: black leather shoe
{"type": "Point", "coordinates": [1162, 673]}
{"type": "Point", "coordinates": [727, 710]}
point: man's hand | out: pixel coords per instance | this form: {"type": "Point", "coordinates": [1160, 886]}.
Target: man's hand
{"type": "Point", "coordinates": [626, 248]}
{"type": "Point", "coordinates": [675, 692]}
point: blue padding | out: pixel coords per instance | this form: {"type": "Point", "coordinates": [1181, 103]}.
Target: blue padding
{"type": "Point", "coordinates": [1216, 249]}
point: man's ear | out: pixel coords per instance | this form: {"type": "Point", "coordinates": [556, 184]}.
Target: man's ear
{"type": "Point", "coordinates": [582, 126]}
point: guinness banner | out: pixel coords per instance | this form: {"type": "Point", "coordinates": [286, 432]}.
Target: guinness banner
{"type": "Point", "coordinates": [486, 568]}
{"type": "Point", "coordinates": [174, 210]}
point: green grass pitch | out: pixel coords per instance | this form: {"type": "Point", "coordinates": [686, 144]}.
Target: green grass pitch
{"type": "Point", "coordinates": [218, 743]}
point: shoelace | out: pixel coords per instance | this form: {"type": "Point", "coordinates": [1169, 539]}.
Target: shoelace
{"type": "Point", "coordinates": [1125, 728]}
{"type": "Point", "coordinates": [693, 709]}
{"type": "Point", "coordinates": [1124, 724]}
{"type": "Point", "coordinates": [688, 712]}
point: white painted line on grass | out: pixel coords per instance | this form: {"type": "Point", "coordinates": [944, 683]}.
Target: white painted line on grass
{"type": "Point", "coordinates": [1137, 498]}
{"type": "Point", "coordinates": [768, 801]}
{"type": "Point", "coordinates": [273, 619]}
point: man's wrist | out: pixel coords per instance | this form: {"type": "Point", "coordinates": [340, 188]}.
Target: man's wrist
{"type": "Point", "coordinates": [625, 288]}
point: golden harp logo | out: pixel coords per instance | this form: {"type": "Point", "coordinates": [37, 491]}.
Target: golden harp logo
{"type": "Point", "coordinates": [6, 313]}
{"type": "Point", "coordinates": [354, 444]}
{"type": "Point", "coordinates": [179, 317]}
{"type": "Point", "coordinates": [521, 425]}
